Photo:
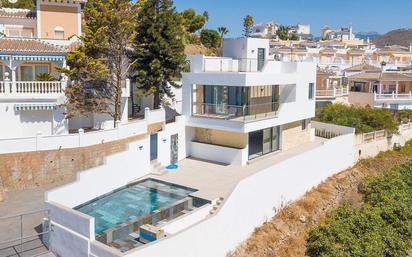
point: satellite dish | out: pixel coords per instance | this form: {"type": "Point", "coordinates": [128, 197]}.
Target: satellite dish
{"type": "Point", "coordinates": [12, 1]}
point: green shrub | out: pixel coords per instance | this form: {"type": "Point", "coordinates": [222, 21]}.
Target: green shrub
{"type": "Point", "coordinates": [362, 119]}
{"type": "Point", "coordinates": [210, 38]}
{"type": "Point", "coordinates": [381, 227]}
{"type": "Point", "coordinates": [405, 115]}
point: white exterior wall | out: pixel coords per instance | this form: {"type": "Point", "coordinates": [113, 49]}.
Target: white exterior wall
{"type": "Point", "coordinates": [245, 48]}
{"type": "Point", "coordinates": [210, 152]}
{"type": "Point", "coordinates": [164, 141]}
{"type": "Point", "coordinates": [18, 124]}
{"type": "Point", "coordinates": [254, 200]}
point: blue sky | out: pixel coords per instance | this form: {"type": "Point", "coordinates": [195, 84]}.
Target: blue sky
{"type": "Point", "coordinates": [364, 15]}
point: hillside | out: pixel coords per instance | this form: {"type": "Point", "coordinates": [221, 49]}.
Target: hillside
{"type": "Point", "coordinates": [366, 35]}
{"type": "Point", "coordinates": [395, 37]}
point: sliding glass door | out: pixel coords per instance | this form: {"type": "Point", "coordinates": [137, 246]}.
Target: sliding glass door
{"type": "Point", "coordinates": [264, 141]}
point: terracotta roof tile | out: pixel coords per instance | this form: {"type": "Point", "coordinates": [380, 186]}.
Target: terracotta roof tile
{"type": "Point", "coordinates": [21, 45]}
{"type": "Point", "coordinates": [363, 67]}
{"type": "Point", "coordinates": [17, 13]}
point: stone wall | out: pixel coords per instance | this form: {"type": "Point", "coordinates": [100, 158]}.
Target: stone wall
{"type": "Point", "coordinates": [294, 136]}
{"type": "Point", "coordinates": [34, 169]}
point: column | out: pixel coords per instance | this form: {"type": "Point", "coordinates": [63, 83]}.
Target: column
{"type": "Point", "coordinates": [397, 88]}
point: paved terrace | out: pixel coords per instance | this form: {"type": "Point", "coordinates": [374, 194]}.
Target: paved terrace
{"type": "Point", "coordinates": [215, 180]}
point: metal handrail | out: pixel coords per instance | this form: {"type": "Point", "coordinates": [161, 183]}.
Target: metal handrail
{"type": "Point", "coordinates": [23, 238]}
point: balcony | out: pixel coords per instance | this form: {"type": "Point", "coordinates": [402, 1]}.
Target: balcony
{"type": "Point", "coordinates": [245, 113]}
{"type": "Point", "coordinates": [393, 96]}
{"type": "Point", "coordinates": [332, 93]}
{"type": "Point", "coordinates": [32, 89]}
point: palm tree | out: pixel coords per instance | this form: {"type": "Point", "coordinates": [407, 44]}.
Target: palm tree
{"type": "Point", "coordinates": [222, 31]}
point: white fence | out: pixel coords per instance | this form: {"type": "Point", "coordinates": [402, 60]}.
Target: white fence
{"type": "Point", "coordinates": [81, 139]}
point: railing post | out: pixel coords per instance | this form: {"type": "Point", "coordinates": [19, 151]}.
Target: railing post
{"type": "Point", "coordinates": [38, 138]}
{"type": "Point", "coordinates": [118, 124]}
{"type": "Point", "coordinates": [393, 95]}
{"type": "Point", "coordinates": [7, 85]}
{"type": "Point", "coordinates": [21, 234]}
{"type": "Point", "coordinates": [81, 134]}
{"type": "Point", "coordinates": [146, 113]}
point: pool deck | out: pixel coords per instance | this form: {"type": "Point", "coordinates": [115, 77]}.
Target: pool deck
{"type": "Point", "coordinates": [215, 180]}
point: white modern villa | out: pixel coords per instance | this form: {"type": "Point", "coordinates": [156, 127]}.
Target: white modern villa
{"type": "Point", "coordinates": [243, 132]}
{"type": "Point", "coordinates": [244, 104]}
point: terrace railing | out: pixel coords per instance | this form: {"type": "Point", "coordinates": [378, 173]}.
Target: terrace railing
{"type": "Point", "coordinates": [393, 96]}
{"type": "Point", "coordinates": [31, 88]}
{"type": "Point", "coordinates": [332, 93]}
{"type": "Point", "coordinates": [242, 113]}
{"type": "Point", "coordinates": [37, 87]}
{"type": "Point", "coordinates": [222, 64]}
{"type": "Point", "coordinates": [25, 234]}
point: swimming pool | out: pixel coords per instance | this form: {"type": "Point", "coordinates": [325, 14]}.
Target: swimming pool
{"type": "Point", "coordinates": [131, 202]}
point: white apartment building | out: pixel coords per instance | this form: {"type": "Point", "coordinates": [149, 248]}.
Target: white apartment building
{"type": "Point", "coordinates": [246, 104]}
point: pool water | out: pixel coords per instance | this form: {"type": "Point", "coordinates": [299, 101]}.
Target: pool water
{"type": "Point", "coordinates": [132, 202]}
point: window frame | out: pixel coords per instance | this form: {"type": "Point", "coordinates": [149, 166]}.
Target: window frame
{"type": "Point", "coordinates": [33, 67]}
{"type": "Point", "coordinates": [311, 93]}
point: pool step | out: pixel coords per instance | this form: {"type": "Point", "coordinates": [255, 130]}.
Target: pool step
{"type": "Point", "coordinates": [216, 206]}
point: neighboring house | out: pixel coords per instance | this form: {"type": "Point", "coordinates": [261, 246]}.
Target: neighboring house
{"type": "Point", "coordinates": [34, 43]}
{"type": "Point", "coordinates": [302, 31]}
{"type": "Point", "coordinates": [393, 57]}
{"type": "Point", "coordinates": [344, 33]}
{"type": "Point", "coordinates": [381, 89]}
{"type": "Point", "coordinates": [330, 88]}
{"type": "Point", "coordinates": [245, 104]}
{"type": "Point", "coordinates": [265, 30]}
{"type": "Point", "coordinates": [28, 106]}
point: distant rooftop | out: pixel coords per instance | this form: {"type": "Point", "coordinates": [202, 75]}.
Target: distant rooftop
{"type": "Point", "coordinates": [28, 46]}
{"type": "Point", "coordinates": [17, 13]}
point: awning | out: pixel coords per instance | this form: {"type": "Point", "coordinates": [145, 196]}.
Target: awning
{"type": "Point", "coordinates": [35, 107]}
{"type": "Point", "coordinates": [36, 58]}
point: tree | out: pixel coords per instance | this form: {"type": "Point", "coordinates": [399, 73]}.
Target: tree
{"type": "Point", "coordinates": [222, 31]}
{"type": "Point", "coordinates": [294, 37]}
{"type": "Point", "coordinates": [283, 32]}
{"type": "Point", "coordinates": [23, 4]}
{"type": "Point", "coordinates": [247, 25]}
{"type": "Point", "coordinates": [102, 60]}
{"type": "Point", "coordinates": [210, 38]}
{"type": "Point", "coordinates": [192, 21]}
{"type": "Point", "coordinates": [158, 50]}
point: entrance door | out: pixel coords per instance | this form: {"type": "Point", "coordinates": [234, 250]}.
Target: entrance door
{"type": "Point", "coordinates": [174, 149]}
{"type": "Point", "coordinates": [153, 147]}
{"type": "Point", "coordinates": [261, 58]}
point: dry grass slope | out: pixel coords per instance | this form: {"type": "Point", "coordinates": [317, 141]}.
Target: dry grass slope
{"type": "Point", "coordinates": [285, 235]}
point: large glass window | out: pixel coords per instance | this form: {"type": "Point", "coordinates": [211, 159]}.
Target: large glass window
{"type": "Point", "coordinates": [26, 73]}
{"type": "Point", "coordinates": [1, 73]}
{"type": "Point", "coordinates": [40, 69]}
{"type": "Point", "coordinates": [30, 72]}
